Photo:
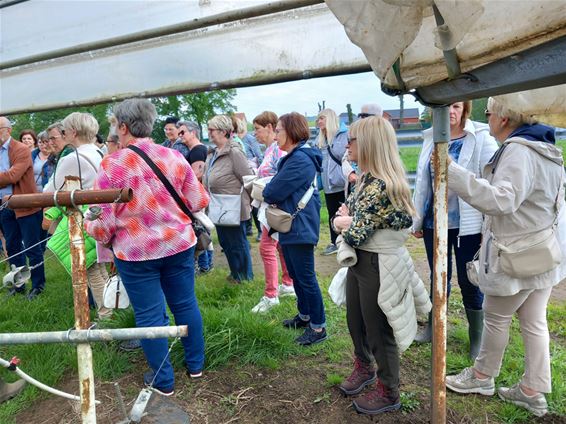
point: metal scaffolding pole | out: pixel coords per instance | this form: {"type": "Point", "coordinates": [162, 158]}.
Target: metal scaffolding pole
{"type": "Point", "coordinates": [441, 136]}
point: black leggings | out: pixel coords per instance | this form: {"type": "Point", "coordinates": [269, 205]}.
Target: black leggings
{"type": "Point", "coordinates": [333, 202]}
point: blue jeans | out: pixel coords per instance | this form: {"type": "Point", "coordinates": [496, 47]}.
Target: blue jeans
{"type": "Point", "coordinates": [205, 260]}
{"type": "Point", "coordinates": [469, 245]}
{"type": "Point", "coordinates": [237, 250]}
{"type": "Point", "coordinates": [146, 282]}
{"type": "Point", "coordinates": [299, 259]}
{"type": "Point", "coordinates": [20, 233]}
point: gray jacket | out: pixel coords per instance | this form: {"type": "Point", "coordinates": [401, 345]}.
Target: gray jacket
{"type": "Point", "coordinates": [332, 177]}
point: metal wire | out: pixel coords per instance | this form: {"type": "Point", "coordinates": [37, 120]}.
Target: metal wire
{"type": "Point", "coordinates": [31, 247]}
{"type": "Point", "coordinates": [163, 362]}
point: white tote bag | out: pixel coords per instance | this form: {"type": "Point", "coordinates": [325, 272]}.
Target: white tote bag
{"type": "Point", "coordinates": [114, 295]}
{"type": "Point", "coordinates": [224, 209]}
{"type": "Point", "coordinates": [337, 289]}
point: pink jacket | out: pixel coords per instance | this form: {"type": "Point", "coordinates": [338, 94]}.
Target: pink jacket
{"type": "Point", "coordinates": [151, 225]}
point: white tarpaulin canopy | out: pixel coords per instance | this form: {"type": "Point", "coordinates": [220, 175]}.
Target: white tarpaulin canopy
{"type": "Point", "coordinates": [56, 53]}
{"type": "Point", "coordinates": [405, 46]}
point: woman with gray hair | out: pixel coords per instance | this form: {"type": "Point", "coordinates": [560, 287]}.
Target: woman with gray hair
{"type": "Point", "coordinates": [152, 238]}
{"type": "Point", "coordinates": [224, 174]}
{"type": "Point", "coordinates": [521, 195]}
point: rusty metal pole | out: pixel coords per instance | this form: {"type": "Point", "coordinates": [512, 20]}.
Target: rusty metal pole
{"type": "Point", "coordinates": [80, 300]}
{"type": "Point", "coordinates": [441, 136]}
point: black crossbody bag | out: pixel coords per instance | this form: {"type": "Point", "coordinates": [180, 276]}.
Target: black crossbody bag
{"type": "Point", "coordinates": [202, 234]}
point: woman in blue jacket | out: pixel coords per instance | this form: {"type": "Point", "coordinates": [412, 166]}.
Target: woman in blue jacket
{"type": "Point", "coordinates": [296, 173]}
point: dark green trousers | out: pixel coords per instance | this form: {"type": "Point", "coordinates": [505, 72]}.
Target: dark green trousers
{"type": "Point", "coordinates": [371, 333]}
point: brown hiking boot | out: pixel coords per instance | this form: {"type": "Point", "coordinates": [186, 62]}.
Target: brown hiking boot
{"type": "Point", "coordinates": [381, 399]}
{"type": "Point", "coordinates": [362, 376]}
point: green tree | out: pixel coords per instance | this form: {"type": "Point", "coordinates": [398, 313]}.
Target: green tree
{"type": "Point", "coordinates": [39, 121]}
{"type": "Point", "coordinates": [426, 117]}
{"type": "Point", "coordinates": [198, 107]}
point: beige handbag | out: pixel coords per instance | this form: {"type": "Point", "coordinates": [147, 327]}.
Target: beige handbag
{"type": "Point", "coordinates": [258, 186]}
{"type": "Point", "coordinates": [282, 221]}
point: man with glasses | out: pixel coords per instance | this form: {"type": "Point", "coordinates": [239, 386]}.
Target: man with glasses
{"type": "Point", "coordinates": [174, 140]}
{"type": "Point", "coordinates": [21, 227]}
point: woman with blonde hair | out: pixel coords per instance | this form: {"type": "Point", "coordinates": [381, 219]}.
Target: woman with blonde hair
{"type": "Point", "coordinates": [332, 140]}
{"type": "Point", "coordinates": [375, 223]}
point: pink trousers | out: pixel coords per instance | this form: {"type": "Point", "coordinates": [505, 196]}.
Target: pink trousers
{"type": "Point", "coordinates": [268, 249]}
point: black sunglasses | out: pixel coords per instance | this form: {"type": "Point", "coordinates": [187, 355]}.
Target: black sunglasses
{"type": "Point", "coordinates": [181, 133]}
{"type": "Point", "coordinates": [487, 113]}
{"type": "Point", "coordinates": [365, 115]}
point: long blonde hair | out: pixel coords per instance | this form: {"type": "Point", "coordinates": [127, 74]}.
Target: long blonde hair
{"type": "Point", "coordinates": [332, 127]}
{"type": "Point", "coordinates": [378, 155]}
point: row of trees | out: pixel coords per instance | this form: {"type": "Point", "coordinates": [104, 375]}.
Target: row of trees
{"type": "Point", "coordinates": [199, 107]}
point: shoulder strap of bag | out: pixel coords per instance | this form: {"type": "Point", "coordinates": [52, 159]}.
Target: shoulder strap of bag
{"type": "Point", "coordinates": [334, 158]}
{"type": "Point", "coordinates": [164, 180]}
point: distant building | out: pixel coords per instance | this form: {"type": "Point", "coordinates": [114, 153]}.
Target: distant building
{"type": "Point", "coordinates": [410, 117]}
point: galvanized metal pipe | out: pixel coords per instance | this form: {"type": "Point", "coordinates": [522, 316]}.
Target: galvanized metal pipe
{"type": "Point", "coordinates": [441, 136]}
{"type": "Point", "coordinates": [66, 198]}
{"type": "Point", "coordinates": [80, 300]}
{"type": "Point", "coordinates": [86, 336]}
{"type": "Point", "coordinates": [450, 55]}
{"type": "Point", "coordinates": [197, 23]}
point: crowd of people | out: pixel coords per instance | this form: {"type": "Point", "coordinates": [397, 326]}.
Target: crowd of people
{"type": "Point", "coordinates": [499, 197]}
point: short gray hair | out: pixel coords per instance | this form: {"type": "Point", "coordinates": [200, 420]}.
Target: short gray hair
{"type": "Point", "coordinates": [139, 115]}
{"type": "Point", "coordinates": [191, 126]}
{"type": "Point", "coordinates": [6, 121]}
{"type": "Point", "coordinates": [515, 118]}
{"type": "Point", "coordinates": [222, 123]}
{"type": "Point", "coordinates": [84, 124]}
{"type": "Point", "coordinates": [43, 135]}
{"type": "Point", "coordinates": [56, 126]}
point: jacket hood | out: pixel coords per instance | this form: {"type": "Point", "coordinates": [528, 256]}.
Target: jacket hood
{"type": "Point", "coordinates": [549, 151]}
{"type": "Point", "coordinates": [313, 154]}
{"type": "Point", "coordinates": [535, 132]}
{"type": "Point", "coordinates": [343, 128]}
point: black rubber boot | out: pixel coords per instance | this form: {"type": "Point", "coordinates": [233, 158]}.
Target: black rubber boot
{"type": "Point", "coordinates": [425, 336]}
{"type": "Point", "coordinates": [475, 329]}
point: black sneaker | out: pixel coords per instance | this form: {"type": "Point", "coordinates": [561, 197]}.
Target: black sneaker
{"type": "Point", "coordinates": [296, 322]}
{"type": "Point", "coordinates": [310, 337]}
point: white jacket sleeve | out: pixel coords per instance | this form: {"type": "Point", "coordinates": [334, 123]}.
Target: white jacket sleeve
{"type": "Point", "coordinates": [510, 186]}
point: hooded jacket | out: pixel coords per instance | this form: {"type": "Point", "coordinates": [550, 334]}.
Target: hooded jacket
{"type": "Point", "coordinates": [332, 177]}
{"type": "Point", "coordinates": [477, 150]}
{"type": "Point", "coordinates": [517, 194]}
{"type": "Point", "coordinates": [295, 174]}
{"type": "Point", "coordinates": [535, 132]}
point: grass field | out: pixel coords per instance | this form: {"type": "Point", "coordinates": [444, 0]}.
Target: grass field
{"type": "Point", "coordinates": [237, 340]}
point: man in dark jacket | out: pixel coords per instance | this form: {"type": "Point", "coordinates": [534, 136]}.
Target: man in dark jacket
{"type": "Point", "coordinates": [21, 227]}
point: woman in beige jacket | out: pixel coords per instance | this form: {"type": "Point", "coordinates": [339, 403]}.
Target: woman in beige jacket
{"type": "Point", "coordinates": [224, 173]}
{"type": "Point", "coordinates": [521, 194]}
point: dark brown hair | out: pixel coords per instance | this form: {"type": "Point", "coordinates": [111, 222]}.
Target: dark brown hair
{"type": "Point", "coordinates": [29, 132]}
{"type": "Point", "coordinates": [266, 117]}
{"type": "Point", "coordinates": [296, 127]}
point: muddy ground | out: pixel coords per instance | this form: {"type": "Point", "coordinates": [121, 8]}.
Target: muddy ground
{"type": "Point", "coordinates": [297, 392]}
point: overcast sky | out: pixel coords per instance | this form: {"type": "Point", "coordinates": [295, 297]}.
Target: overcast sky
{"type": "Point", "coordinates": [302, 96]}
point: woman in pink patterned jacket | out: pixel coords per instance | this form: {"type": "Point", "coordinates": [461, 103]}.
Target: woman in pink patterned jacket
{"type": "Point", "coordinates": [152, 239]}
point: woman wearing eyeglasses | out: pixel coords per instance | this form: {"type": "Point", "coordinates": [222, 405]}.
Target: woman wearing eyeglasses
{"type": "Point", "coordinates": [224, 173]}
{"type": "Point", "coordinates": [471, 147]}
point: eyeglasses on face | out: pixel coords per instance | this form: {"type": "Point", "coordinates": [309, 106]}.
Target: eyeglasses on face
{"type": "Point", "coordinates": [351, 140]}
{"type": "Point", "coordinates": [365, 115]}
{"type": "Point", "coordinates": [181, 133]}
{"type": "Point", "coordinates": [278, 130]}
{"type": "Point", "coordinates": [55, 137]}
{"type": "Point", "coordinates": [488, 114]}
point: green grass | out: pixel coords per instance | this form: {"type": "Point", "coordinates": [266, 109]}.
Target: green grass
{"type": "Point", "coordinates": [410, 157]}
{"type": "Point", "coordinates": [236, 338]}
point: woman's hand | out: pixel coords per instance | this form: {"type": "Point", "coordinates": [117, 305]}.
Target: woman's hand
{"type": "Point", "coordinates": [417, 234]}
{"type": "Point", "coordinates": [343, 210]}
{"type": "Point", "coordinates": [342, 223]}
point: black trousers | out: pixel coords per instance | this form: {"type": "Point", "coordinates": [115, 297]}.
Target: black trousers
{"type": "Point", "coordinates": [333, 201]}
{"type": "Point", "coordinates": [370, 331]}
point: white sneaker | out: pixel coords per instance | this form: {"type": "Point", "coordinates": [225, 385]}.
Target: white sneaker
{"type": "Point", "coordinates": [265, 304]}
{"type": "Point", "coordinates": [466, 382]}
{"type": "Point", "coordinates": [287, 290]}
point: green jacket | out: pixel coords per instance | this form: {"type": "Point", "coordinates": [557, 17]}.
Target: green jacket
{"type": "Point", "coordinates": [59, 243]}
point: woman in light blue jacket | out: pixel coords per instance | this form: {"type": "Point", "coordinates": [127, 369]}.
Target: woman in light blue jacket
{"type": "Point", "coordinates": [471, 147]}
{"type": "Point", "coordinates": [332, 140]}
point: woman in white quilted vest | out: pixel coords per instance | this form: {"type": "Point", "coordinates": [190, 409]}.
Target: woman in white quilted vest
{"type": "Point", "coordinates": [383, 291]}
{"type": "Point", "coordinates": [471, 147]}
{"type": "Point", "coordinates": [522, 255]}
